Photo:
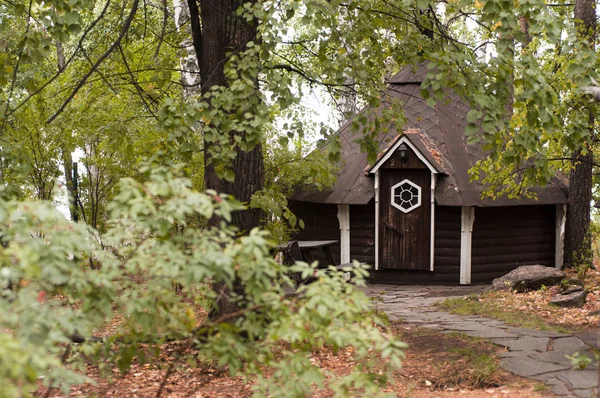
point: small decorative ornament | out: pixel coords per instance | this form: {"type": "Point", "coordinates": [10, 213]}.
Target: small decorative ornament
{"type": "Point", "coordinates": [406, 196]}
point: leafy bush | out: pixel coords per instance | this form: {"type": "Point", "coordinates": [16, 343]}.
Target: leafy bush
{"type": "Point", "coordinates": [50, 297]}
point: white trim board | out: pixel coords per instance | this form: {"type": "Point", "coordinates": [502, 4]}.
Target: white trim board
{"type": "Point", "coordinates": [343, 216]}
{"type": "Point", "coordinates": [432, 237]}
{"type": "Point", "coordinates": [376, 221]}
{"type": "Point", "coordinates": [467, 218]}
{"type": "Point", "coordinates": [559, 249]}
{"type": "Point", "coordinates": [402, 140]}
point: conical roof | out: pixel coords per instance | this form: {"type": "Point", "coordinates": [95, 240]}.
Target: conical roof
{"type": "Point", "coordinates": [438, 133]}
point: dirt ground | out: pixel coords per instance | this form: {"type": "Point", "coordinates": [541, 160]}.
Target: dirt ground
{"type": "Point", "coordinates": [436, 365]}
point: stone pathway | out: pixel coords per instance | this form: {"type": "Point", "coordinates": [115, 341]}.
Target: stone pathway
{"type": "Point", "coordinates": [531, 353]}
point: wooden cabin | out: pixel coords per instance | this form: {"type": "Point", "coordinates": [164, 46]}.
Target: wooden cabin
{"type": "Point", "coordinates": [415, 215]}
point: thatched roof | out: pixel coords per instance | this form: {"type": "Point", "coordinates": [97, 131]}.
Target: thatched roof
{"type": "Point", "coordinates": [438, 134]}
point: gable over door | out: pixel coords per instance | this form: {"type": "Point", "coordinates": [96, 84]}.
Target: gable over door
{"type": "Point", "coordinates": [405, 219]}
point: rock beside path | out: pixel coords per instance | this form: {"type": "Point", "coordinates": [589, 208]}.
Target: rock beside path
{"type": "Point", "coordinates": [569, 299]}
{"type": "Point", "coordinates": [529, 277]}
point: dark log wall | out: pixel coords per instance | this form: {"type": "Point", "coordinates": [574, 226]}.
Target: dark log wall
{"type": "Point", "coordinates": [447, 246]}
{"type": "Point", "coordinates": [505, 238]}
{"type": "Point", "coordinates": [446, 260]}
{"type": "Point", "coordinates": [320, 223]}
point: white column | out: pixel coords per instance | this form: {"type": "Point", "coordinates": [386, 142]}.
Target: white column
{"type": "Point", "coordinates": [376, 221]}
{"type": "Point", "coordinates": [432, 228]}
{"type": "Point", "coordinates": [467, 218]}
{"type": "Point", "coordinates": [559, 250]}
{"type": "Point", "coordinates": [344, 219]}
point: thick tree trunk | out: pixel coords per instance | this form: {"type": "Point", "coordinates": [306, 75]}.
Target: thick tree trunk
{"type": "Point", "coordinates": [577, 239]}
{"type": "Point", "coordinates": [222, 31]}
{"type": "Point", "coordinates": [216, 31]}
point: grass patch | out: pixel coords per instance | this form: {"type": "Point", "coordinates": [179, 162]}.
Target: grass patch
{"type": "Point", "coordinates": [482, 367]}
{"type": "Point", "coordinates": [472, 305]}
{"type": "Point", "coordinates": [450, 360]}
{"type": "Point", "coordinates": [541, 388]}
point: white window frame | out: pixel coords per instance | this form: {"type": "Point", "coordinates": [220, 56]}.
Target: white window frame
{"type": "Point", "coordinates": [394, 195]}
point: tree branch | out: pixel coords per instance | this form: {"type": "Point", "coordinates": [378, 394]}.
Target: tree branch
{"type": "Point", "coordinates": [83, 80]}
{"type": "Point", "coordinates": [15, 72]}
{"type": "Point", "coordinates": [79, 47]}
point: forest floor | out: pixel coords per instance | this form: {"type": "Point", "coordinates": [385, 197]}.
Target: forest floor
{"type": "Point", "coordinates": [436, 365]}
{"type": "Point", "coordinates": [531, 309]}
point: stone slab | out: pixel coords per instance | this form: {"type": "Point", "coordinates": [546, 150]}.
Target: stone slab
{"type": "Point", "coordinates": [527, 367]}
{"type": "Point", "coordinates": [569, 345]}
{"type": "Point", "coordinates": [580, 379]}
{"type": "Point", "coordinates": [588, 393]}
{"type": "Point", "coordinates": [490, 333]}
{"type": "Point", "coordinates": [464, 326]}
{"type": "Point", "coordinates": [510, 354]}
{"type": "Point", "coordinates": [538, 333]}
{"type": "Point", "coordinates": [524, 343]}
{"type": "Point", "coordinates": [559, 387]}
{"type": "Point", "coordinates": [559, 357]}
{"type": "Point", "coordinates": [556, 357]}
{"type": "Point", "coordinates": [591, 339]}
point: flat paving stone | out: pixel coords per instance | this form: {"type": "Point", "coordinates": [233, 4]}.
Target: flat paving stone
{"type": "Point", "coordinates": [584, 393]}
{"type": "Point", "coordinates": [524, 343]}
{"type": "Point", "coordinates": [580, 378]}
{"type": "Point", "coordinates": [556, 357]}
{"type": "Point", "coordinates": [537, 333]}
{"type": "Point", "coordinates": [591, 339]}
{"type": "Point", "coordinates": [559, 387]}
{"type": "Point", "coordinates": [489, 333]}
{"type": "Point", "coordinates": [466, 326]}
{"type": "Point", "coordinates": [511, 354]}
{"type": "Point", "coordinates": [569, 345]}
{"type": "Point", "coordinates": [527, 367]}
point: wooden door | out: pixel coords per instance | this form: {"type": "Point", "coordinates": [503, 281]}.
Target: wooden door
{"type": "Point", "coordinates": [405, 219]}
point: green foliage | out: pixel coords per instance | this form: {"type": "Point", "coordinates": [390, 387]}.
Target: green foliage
{"type": "Point", "coordinates": [579, 360]}
{"type": "Point", "coordinates": [43, 255]}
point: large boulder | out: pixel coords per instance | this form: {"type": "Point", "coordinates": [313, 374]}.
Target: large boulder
{"type": "Point", "coordinates": [529, 277]}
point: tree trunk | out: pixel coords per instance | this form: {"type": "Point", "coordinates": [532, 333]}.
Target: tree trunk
{"type": "Point", "coordinates": [189, 62]}
{"type": "Point", "coordinates": [66, 156]}
{"type": "Point", "coordinates": [577, 239]}
{"type": "Point", "coordinates": [219, 31]}
{"type": "Point", "coordinates": [67, 160]}
{"type": "Point", "coordinates": [216, 31]}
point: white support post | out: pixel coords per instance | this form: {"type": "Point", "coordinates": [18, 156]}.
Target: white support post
{"type": "Point", "coordinates": [467, 218]}
{"type": "Point", "coordinates": [559, 250]}
{"type": "Point", "coordinates": [344, 219]}
{"type": "Point", "coordinates": [431, 250]}
{"type": "Point", "coordinates": [376, 221]}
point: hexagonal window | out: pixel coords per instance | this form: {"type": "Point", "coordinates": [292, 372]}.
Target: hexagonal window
{"type": "Point", "coordinates": [406, 196]}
